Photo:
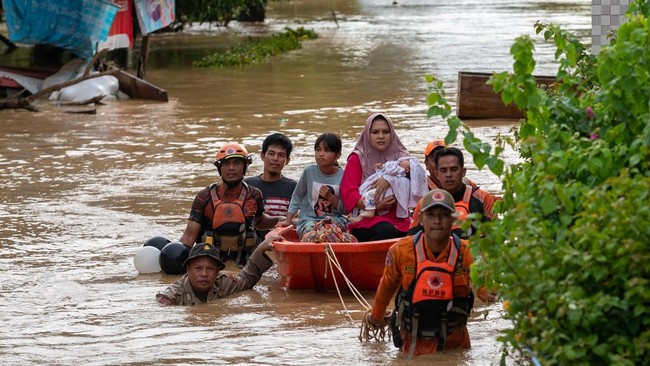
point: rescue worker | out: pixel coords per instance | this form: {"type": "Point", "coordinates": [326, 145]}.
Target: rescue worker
{"type": "Point", "coordinates": [450, 172]}
{"type": "Point", "coordinates": [203, 281]}
{"type": "Point", "coordinates": [228, 214]}
{"type": "Point", "coordinates": [431, 270]}
{"type": "Point", "coordinates": [430, 163]}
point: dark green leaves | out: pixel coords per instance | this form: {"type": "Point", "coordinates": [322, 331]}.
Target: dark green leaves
{"type": "Point", "coordinates": [570, 252]}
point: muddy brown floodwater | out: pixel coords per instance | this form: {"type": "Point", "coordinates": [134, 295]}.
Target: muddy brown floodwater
{"type": "Point", "coordinates": [79, 194]}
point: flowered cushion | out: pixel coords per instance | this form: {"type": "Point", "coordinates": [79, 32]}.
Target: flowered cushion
{"type": "Point", "coordinates": [328, 230]}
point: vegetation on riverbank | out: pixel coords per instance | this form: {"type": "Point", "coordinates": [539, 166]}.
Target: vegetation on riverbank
{"type": "Point", "coordinates": [570, 253]}
{"type": "Point", "coordinates": [258, 50]}
{"type": "Point", "coordinates": [219, 12]}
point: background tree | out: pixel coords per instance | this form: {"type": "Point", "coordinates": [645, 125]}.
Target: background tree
{"type": "Point", "coordinates": [220, 12]}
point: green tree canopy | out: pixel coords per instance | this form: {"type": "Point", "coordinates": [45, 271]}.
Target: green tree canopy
{"type": "Point", "coordinates": [570, 254]}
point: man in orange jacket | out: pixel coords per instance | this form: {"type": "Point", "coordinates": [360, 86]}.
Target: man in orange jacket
{"type": "Point", "coordinates": [450, 171]}
{"type": "Point", "coordinates": [431, 269]}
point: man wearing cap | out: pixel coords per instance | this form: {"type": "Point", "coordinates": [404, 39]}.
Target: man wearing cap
{"type": "Point", "coordinates": [203, 281]}
{"type": "Point", "coordinates": [228, 214]}
{"type": "Point", "coordinates": [449, 165]}
{"type": "Point", "coordinates": [431, 270]}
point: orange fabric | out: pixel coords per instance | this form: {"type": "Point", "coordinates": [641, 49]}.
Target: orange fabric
{"type": "Point", "coordinates": [436, 285]}
{"type": "Point", "coordinates": [231, 206]}
{"type": "Point", "coordinates": [431, 184]}
{"type": "Point", "coordinates": [462, 208]}
{"type": "Point", "coordinates": [399, 271]}
{"type": "Point", "coordinates": [486, 198]}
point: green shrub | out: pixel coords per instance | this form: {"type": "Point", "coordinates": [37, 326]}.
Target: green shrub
{"type": "Point", "coordinates": [258, 50]}
{"type": "Point", "coordinates": [220, 12]}
{"type": "Point", "coordinates": [570, 254]}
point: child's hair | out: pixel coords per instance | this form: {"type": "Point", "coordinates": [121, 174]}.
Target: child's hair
{"type": "Point", "coordinates": [332, 141]}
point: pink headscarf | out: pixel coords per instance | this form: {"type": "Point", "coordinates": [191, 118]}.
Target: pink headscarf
{"type": "Point", "coordinates": [369, 156]}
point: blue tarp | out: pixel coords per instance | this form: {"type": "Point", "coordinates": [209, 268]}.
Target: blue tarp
{"type": "Point", "coordinates": [75, 25]}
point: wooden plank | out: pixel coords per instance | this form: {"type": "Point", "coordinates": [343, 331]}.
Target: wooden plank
{"type": "Point", "coordinates": [135, 87]}
{"type": "Point", "coordinates": [477, 100]}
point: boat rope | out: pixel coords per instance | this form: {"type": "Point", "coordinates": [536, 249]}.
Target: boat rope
{"type": "Point", "coordinates": [378, 333]}
{"type": "Point", "coordinates": [367, 331]}
{"type": "Point", "coordinates": [333, 262]}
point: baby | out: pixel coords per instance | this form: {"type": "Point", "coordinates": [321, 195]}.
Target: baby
{"type": "Point", "coordinates": [407, 181]}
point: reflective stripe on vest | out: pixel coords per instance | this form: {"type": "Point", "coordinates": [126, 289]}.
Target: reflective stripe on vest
{"type": "Point", "coordinates": [432, 185]}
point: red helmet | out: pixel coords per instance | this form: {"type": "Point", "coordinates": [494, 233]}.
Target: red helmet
{"type": "Point", "coordinates": [231, 151]}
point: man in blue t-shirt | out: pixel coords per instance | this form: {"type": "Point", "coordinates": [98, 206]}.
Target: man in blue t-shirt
{"type": "Point", "coordinates": [276, 188]}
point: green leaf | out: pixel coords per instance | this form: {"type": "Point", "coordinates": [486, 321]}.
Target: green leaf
{"type": "Point", "coordinates": [433, 98]}
{"type": "Point", "coordinates": [548, 204]}
{"type": "Point", "coordinates": [526, 130]}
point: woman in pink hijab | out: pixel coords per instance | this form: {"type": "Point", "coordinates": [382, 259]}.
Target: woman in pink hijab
{"type": "Point", "coordinates": [378, 143]}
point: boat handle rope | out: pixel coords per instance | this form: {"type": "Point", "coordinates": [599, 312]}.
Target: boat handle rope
{"type": "Point", "coordinates": [333, 262]}
{"type": "Point", "coordinates": [367, 332]}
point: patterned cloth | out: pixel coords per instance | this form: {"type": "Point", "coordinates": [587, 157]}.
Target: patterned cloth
{"type": "Point", "coordinates": [328, 230]}
{"type": "Point", "coordinates": [75, 25]}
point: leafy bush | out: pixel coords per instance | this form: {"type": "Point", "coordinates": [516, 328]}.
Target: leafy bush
{"type": "Point", "coordinates": [258, 50]}
{"type": "Point", "coordinates": [570, 254]}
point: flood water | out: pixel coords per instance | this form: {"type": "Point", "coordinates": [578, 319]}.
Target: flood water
{"type": "Point", "coordinates": [79, 194]}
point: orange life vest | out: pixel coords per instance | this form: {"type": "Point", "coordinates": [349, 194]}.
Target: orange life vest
{"type": "Point", "coordinates": [232, 228]}
{"type": "Point", "coordinates": [431, 183]}
{"type": "Point", "coordinates": [462, 210]}
{"type": "Point", "coordinates": [439, 300]}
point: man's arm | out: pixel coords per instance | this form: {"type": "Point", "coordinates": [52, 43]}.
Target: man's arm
{"type": "Point", "coordinates": [388, 285]}
{"type": "Point", "coordinates": [267, 222]}
{"type": "Point", "coordinates": [173, 294]}
{"type": "Point", "coordinates": [258, 263]}
{"type": "Point", "coordinates": [191, 233]}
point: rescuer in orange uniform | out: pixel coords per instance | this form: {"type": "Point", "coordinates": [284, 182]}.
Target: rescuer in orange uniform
{"type": "Point", "coordinates": [431, 270]}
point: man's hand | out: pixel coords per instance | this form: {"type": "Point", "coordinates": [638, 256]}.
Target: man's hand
{"type": "Point", "coordinates": [376, 323]}
{"type": "Point", "coordinates": [267, 244]}
{"type": "Point", "coordinates": [164, 300]}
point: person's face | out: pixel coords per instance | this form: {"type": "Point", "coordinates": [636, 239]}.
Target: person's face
{"type": "Point", "coordinates": [437, 223]}
{"type": "Point", "coordinates": [232, 170]}
{"type": "Point", "coordinates": [450, 173]}
{"type": "Point", "coordinates": [202, 272]}
{"type": "Point", "coordinates": [430, 164]}
{"type": "Point", "coordinates": [379, 135]}
{"type": "Point", "coordinates": [324, 156]}
{"type": "Point", "coordinates": [275, 158]}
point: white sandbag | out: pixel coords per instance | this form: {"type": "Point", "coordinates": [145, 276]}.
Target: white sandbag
{"type": "Point", "coordinates": [71, 70]}
{"type": "Point", "coordinates": [101, 86]}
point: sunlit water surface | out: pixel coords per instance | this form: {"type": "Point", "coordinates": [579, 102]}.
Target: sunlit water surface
{"type": "Point", "coordinates": [80, 193]}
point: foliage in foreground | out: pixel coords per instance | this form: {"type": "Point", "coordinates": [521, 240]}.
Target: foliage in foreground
{"type": "Point", "coordinates": [570, 255]}
{"type": "Point", "coordinates": [258, 50]}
